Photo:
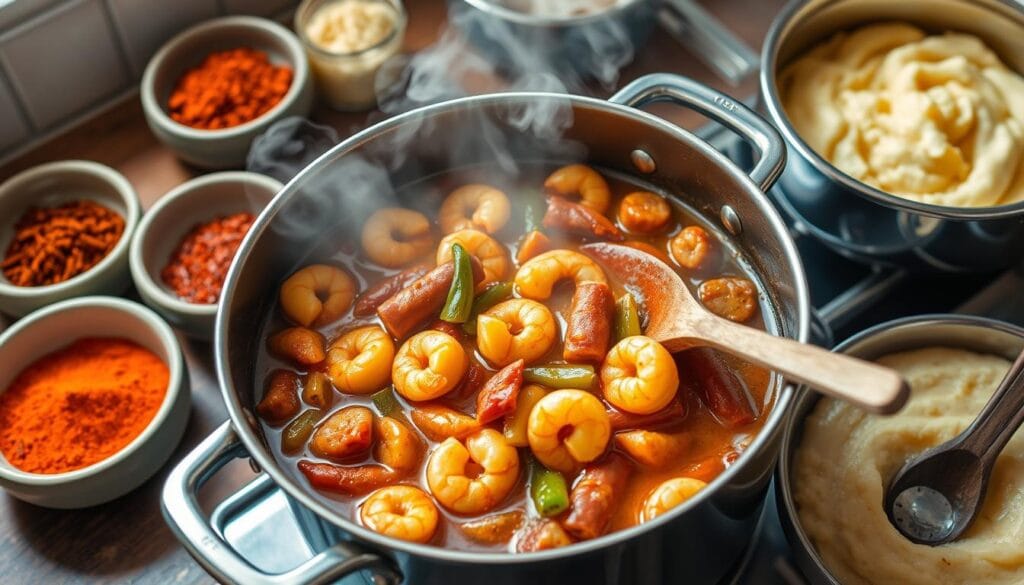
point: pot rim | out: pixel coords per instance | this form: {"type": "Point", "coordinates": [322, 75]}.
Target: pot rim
{"type": "Point", "coordinates": [269, 464]}
{"type": "Point", "coordinates": [769, 89]}
{"type": "Point", "coordinates": [784, 500]}
{"type": "Point", "coordinates": [491, 8]}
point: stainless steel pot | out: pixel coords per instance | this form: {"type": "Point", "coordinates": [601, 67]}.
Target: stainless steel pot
{"type": "Point", "coordinates": [594, 45]}
{"type": "Point", "coordinates": [972, 333]}
{"type": "Point", "coordinates": [697, 542]}
{"type": "Point", "coordinates": [858, 220]}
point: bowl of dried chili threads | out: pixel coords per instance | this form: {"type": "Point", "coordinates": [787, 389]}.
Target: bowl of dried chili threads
{"type": "Point", "coordinates": [64, 232]}
{"type": "Point", "coordinates": [185, 244]}
{"type": "Point", "coordinates": [212, 89]}
{"type": "Point", "coordinates": [96, 403]}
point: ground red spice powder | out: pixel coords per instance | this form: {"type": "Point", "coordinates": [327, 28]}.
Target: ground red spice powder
{"type": "Point", "coordinates": [198, 267]}
{"type": "Point", "coordinates": [80, 405]}
{"type": "Point", "coordinates": [229, 88]}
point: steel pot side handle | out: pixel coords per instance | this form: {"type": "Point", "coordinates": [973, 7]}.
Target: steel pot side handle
{"type": "Point", "coordinates": [731, 113]}
{"type": "Point", "coordinates": [183, 514]}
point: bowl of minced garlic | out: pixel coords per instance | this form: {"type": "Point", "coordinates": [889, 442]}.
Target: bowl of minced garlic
{"type": "Point", "coordinates": [93, 400]}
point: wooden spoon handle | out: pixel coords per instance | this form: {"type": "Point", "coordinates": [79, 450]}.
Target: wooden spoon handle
{"type": "Point", "coordinates": [872, 387]}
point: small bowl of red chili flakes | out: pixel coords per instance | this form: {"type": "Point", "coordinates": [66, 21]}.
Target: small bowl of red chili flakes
{"type": "Point", "coordinates": [215, 87]}
{"type": "Point", "coordinates": [184, 245]}
{"type": "Point", "coordinates": [64, 232]}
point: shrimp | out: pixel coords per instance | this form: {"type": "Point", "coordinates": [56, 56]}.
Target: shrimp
{"type": "Point", "coordinates": [404, 512]}
{"type": "Point", "coordinates": [668, 495]}
{"type": "Point", "coordinates": [359, 362]}
{"type": "Point", "coordinates": [439, 422]}
{"type": "Point", "coordinates": [490, 209]}
{"type": "Point", "coordinates": [639, 376]}
{"type": "Point", "coordinates": [644, 212]}
{"type": "Point", "coordinates": [583, 181]}
{"type": "Point", "coordinates": [568, 428]}
{"type": "Point", "coordinates": [394, 236]}
{"type": "Point", "coordinates": [537, 277]}
{"type": "Point", "coordinates": [397, 445]}
{"type": "Point", "coordinates": [492, 255]}
{"type": "Point", "coordinates": [690, 247]}
{"type": "Point", "coordinates": [515, 329]}
{"type": "Point", "coordinates": [462, 491]}
{"type": "Point", "coordinates": [652, 448]}
{"type": "Point", "coordinates": [730, 297]}
{"type": "Point", "coordinates": [428, 365]}
{"type": "Point", "coordinates": [317, 295]}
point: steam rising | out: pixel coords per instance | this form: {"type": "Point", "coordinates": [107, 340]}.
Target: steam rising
{"type": "Point", "coordinates": [475, 54]}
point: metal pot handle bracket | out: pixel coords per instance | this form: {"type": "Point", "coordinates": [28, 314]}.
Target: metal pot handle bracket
{"type": "Point", "coordinates": [181, 510]}
{"type": "Point", "coordinates": [731, 113]}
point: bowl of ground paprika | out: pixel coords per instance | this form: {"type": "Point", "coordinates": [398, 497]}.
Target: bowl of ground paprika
{"type": "Point", "coordinates": [215, 87]}
{"type": "Point", "coordinates": [94, 399]}
{"type": "Point", "coordinates": [186, 242]}
{"type": "Point", "coordinates": [65, 227]}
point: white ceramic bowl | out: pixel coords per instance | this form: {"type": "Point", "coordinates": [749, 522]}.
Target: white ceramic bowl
{"type": "Point", "coordinates": [174, 215]}
{"type": "Point", "coordinates": [228, 147]}
{"type": "Point", "coordinates": [53, 184]}
{"type": "Point", "coordinates": [53, 327]}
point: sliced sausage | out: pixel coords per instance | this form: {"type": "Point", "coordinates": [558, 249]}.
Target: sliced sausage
{"type": "Point", "coordinates": [498, 396]}
{"type": "Point", "coordinates": [588, 330]}
{"type": "Point", "coordinates": [672, 414]}
{"type": "Point", "coordinates": [281, 400]}
{"type": "Point", "coordinates": [595, 495]}
{"type": "Point", "coordinates": [720, 388]}
{"type": "Point", "coordinates": [368, 302]}
{"type": "Point", "coordinates": [408, 308]}
{"type": "Point", "coordinates": [349, 481]}
{"type": "Point", "coordinates": [580, 220]}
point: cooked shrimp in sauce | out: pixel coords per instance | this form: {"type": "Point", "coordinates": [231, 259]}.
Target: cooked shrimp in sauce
{"type": "Point", "coordinates": [460, 373]}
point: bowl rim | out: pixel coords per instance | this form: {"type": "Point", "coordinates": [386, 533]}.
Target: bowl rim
{"type": "Point", "coordinates": [175, 365]}
{"type": "Point", "coordinates": [492, 8]}
{"type": "Point", "coordinates": [124, 190]}
{"type": "Point", "coordinates": [295, 53]}
{"type": "Point", "coordinates": [237, 412]}
{"type": "Point", "coordinates": [139, 270]}
{"type": "Point", "coordinates": [805, 400]}
{"type": "Point", "coordinates": [773, 104]}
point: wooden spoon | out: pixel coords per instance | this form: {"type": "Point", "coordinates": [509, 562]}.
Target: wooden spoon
{"type": "Point", "coordinates": [934, 498]}
{"type": "Point", "coordinates": [678, 321]}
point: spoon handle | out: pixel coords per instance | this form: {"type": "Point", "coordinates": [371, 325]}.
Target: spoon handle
{"type": "Point", "coordinates": [872, 387]}
{"type": "Point", "coordinates": [1001, 417]}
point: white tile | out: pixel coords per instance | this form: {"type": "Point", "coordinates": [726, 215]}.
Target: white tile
{"type": "Point", "coordinates": [13, 126]}
{"type": "Point", "coordinates": [145, 25]}
{"type": "Point", "coordinates": [64, 61]}
{"type": "Point", "coordinates": [258, 7]}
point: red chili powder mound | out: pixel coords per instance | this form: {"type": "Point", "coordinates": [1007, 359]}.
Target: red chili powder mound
{"type": "Point", "coordinates": [80, 405]}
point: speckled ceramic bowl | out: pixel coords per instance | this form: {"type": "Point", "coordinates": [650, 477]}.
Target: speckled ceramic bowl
{"type": "Point", "coordinates": [55, 184]}
{"type": "Point", "coordinates": [226, 148]}
{"type": "Point", "coordinates": [174, 215]}
{"type": "Point", "coordinates": [49, 329]}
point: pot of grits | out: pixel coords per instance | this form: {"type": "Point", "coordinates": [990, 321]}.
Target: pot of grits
{"type": "Point", "coordinates": [905, 128]}
{"type": "Point", "coordinates": [836, 461]}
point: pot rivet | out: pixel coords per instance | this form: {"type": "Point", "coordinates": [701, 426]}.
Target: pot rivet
{"type": "Point", "coordinates": [255, 467]}
{"type": "Point", "coordinates": [643, 162]}
{"type": "Point", "coordinates": [731, 220]}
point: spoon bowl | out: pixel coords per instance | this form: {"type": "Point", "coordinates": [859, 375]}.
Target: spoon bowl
{"type": "Point", "coordinates": [936, 495]}
{"type": "Point", "coordinates": [678, 321]}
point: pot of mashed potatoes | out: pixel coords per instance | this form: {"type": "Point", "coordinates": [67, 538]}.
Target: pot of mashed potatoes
{"type": "Point", "coordinates": [846, 457]}
{"type": "Point", "coordinates": [937, 119]}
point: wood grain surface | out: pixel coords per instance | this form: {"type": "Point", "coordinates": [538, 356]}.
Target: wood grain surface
{"type": "Point", "coordinates": [127, 540]}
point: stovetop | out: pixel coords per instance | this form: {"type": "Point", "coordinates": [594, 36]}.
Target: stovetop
{"type": "Point", "coordinates": [847, 296]}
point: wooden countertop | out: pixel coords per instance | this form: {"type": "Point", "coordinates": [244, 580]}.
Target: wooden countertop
{"type": "Point", "coordinates": [127, 539]}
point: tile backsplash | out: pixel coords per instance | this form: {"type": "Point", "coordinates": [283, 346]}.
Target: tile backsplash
{"type": "Point", "coordinates": [63, 61]}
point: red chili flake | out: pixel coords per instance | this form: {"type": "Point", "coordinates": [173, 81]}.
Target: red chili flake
{"type": "Point", "coordinates": [197, 268]}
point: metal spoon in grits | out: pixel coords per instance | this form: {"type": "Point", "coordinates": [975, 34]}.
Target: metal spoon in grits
{"type": "Point", "coordinates": [936, 495]}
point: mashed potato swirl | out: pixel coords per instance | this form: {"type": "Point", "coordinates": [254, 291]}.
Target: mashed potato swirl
{"type": "Point", "coordinates": [937, 119]}
{"type": "Point", "coordinates": [846, 458]}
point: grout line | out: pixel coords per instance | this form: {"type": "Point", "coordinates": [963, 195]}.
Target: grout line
{"type": "Point", "coordinates": [19, 105]}
{"type": "Point", "coordinates": [120, 41]}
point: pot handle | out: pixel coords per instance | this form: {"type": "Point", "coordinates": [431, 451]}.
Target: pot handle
{"type": "Point", "coordinates": [183, 514]}
{"type": "Point", "coordinates": [731, 113]}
